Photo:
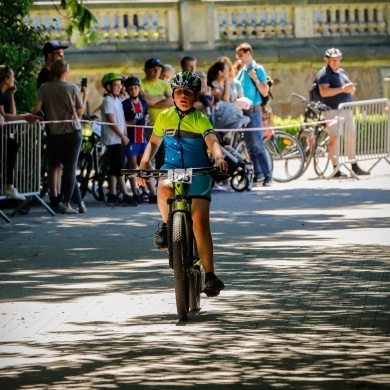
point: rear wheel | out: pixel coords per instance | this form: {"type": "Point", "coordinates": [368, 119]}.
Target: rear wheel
{"type": "Point", "coordinates": [85, 172]}
{"type": "Point", "coordinates": [180, 261]}
{"type": "Point", "coordinates": [287, 156]}
{"type": "Point", "coordinates": [321, 156]}
{"type": "Point", "coordinates": [100, 183]}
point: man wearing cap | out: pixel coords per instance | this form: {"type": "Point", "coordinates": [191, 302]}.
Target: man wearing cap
{"type": "Point", "coordinates": [158, 95]}
{"type": "Point", "coordinates": [53, 50]}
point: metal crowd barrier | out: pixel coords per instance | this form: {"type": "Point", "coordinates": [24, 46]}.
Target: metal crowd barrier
{"type": "Point", "coordinates": [27, 173]}
{"type": "Point", "coordinates": [371, 119]}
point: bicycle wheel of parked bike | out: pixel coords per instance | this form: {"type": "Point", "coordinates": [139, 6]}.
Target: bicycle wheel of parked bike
{"type": "Point", "coordinates": [239, 181]}
{"type": "Point", "coordinates": [305, 138]}
{"type": "Point", "coordinates": [287, 156]}
{"type": "Point", "coordinates": [321, 156]}
{"type": "Point", "coordinates": [195, 280]}
{"type": "Point", "coordinates": [180, 264]}
{"type": "Point", "coordinates": [85, 169]}
{"type": "Point", "coordinates": [100, 183]}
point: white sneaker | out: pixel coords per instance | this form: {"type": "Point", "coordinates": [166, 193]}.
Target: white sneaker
{"type": "Point", "coordinates": [14, 194]}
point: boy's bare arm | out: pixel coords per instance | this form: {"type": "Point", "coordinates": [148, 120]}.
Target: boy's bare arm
{"type": "Point", "coordinates": [215, 149]}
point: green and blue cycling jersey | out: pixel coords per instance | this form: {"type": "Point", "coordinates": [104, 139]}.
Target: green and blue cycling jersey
{"type": "Point", "coordinates": [185, 146]}
{"type": "Point", "coordinates": [184, 137]}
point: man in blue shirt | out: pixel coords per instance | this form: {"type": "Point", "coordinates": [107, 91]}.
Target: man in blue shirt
{"type": "Point", "coordinates": [336, 88]}
{"type": "Point", "coordinates": [253, 78]}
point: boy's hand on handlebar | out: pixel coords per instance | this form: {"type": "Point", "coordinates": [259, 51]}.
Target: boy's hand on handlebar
{"type": "Point", "coordinates": [143, 166]}
{"type": "Point", "coordinates": [222, 165]}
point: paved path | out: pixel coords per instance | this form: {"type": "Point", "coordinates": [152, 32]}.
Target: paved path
{"type": "Point", "coordinates": [87, 303]}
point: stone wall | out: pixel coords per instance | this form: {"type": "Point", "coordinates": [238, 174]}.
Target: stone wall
{"type": "Point", "coordinates": [294, 76]}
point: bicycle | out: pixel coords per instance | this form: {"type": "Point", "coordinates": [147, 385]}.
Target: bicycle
{"type": "Point", "coordinates": [92, 165]}
{"type": "Point", "coordinates": [314, 138]}
{"type": "Point", "coordinates": [286, 154]}
{"type": "Point", "coordinates": [182, 249]}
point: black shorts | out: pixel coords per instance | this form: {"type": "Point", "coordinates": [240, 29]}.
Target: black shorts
{"type": "Point", "coordinates": [116, 159]}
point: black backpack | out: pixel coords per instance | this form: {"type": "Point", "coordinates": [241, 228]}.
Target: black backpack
{"type": "Point", "coordinates": [314, 92]}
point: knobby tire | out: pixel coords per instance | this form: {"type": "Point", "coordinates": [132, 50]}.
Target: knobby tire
{"type": "Point", "coordinates": [180, 265]}
{"type": "Point", "coordinates": [195, 281]}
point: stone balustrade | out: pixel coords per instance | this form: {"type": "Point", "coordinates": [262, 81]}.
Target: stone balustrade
{"type": "Point", "coordinates": [207, 24]}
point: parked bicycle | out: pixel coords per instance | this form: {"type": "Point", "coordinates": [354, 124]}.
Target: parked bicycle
{"type": "Point", "coordinates": [285, 153]}
{"type": "Point", "coordinates": [93, 166]}
{"type": "Point", "coordinates": [313, 136]}
{"type": "Point", "coordinates": [182, 249]}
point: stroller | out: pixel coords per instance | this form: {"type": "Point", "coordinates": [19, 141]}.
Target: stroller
{"type": "Point", "coordinates": [229, 116]}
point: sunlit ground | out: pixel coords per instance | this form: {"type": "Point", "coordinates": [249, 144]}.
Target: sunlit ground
{"type": "Point", "coordinates": [86, 303]}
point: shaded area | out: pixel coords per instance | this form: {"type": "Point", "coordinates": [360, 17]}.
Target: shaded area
{"type": "Point", "coordinates": [86, 304]}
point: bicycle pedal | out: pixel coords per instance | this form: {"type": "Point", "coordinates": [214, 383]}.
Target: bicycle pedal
{"type": "Point", "coordinates": [211, 292]}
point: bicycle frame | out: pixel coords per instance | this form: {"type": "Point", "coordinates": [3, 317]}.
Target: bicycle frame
{"type": "Point", "coordinates": [179, 203]}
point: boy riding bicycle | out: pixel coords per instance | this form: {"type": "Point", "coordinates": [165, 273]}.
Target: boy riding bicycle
{"type": "Point", "coordinates": [187, 133]}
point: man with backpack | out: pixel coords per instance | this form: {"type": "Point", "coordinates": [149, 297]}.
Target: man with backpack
{"type": "Point", "coordinates": [335, 88]}
{"type": "Point", "coordinates": [253, 78]}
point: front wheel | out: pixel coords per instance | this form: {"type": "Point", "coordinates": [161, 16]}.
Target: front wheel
{"type": "Point", "coordinates": [180, 262]}
{"type": "Point", "coordinates": [287, 156]}
{"type": "Point", "coordinates": [239, 181]}
{"type": "Point", "coordinates": [321, 155]}
{"type": "Point", "coordinates": [306, 140]}
{"type": "Point", "coordinates": [195, 280]}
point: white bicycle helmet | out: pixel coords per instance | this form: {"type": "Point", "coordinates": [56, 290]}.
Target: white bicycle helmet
{"type": "Point", "coordinates": [333, 53]}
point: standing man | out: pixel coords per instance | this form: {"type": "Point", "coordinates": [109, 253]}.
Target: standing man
{"type": "Point", "coordinates": [167, 73]}
{"type": "Point", "coordinates": [188, 64]}
{"type": "Point", "coordinates": [158, 96]}
{"type": "Point", "coordinates": [253, 79]}
{"type": "Point", "coordinates": [52, 51]}
{"type": "Point", "coordinates": [336, 88]}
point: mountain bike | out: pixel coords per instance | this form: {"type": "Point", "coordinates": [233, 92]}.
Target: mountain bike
{"type": "Point", "coordinates": [313, 137]}
{"type": "Point", "coordinates": [182, 249]}
{"type": "Point", "coordinates": [285, 153]}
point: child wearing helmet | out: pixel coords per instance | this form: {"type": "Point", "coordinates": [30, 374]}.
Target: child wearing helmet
{"type": "Point", "coordinates": [136, 113]}
{"type": "Point", "coordinates": [115, 138]}
{"type": "Point", "coordinates": [187, 133]}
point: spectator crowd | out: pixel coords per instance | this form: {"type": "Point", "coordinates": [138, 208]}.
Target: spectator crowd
{"type": "Point", "coordinates": [233, 95]}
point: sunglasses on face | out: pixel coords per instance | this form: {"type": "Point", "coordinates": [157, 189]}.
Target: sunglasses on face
{"type": "Point", "coordinates": [185, 92]}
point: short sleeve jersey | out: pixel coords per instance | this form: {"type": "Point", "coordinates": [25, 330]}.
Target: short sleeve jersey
{"type": "Point", "coordinates": [155, 88]}
{"type": "Point", "coordinates": [113, 106]}
{"type": "Point", "coordinates": [250, 90]}
{"type": "Point", "coordinates": [334, 80]}
{"type": "Point", "coordinates": [184, 138]}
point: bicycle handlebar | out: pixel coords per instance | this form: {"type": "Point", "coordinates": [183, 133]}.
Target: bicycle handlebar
{"type": "Point", "coordinates": [312, 105]}
{"type": "Point", "coordinates": [302, 98]}
{"type": "Point", "coordinates": [156, 173]}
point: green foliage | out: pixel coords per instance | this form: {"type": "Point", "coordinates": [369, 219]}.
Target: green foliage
{"type": "Point", "coordinates": [80, 19]}
{"type": "Point", "coordinates": [21, 49]}
{"type": "Point", "coordinates": [290, 125]}
{"type": "Point", "coordinates": [21, 44]}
